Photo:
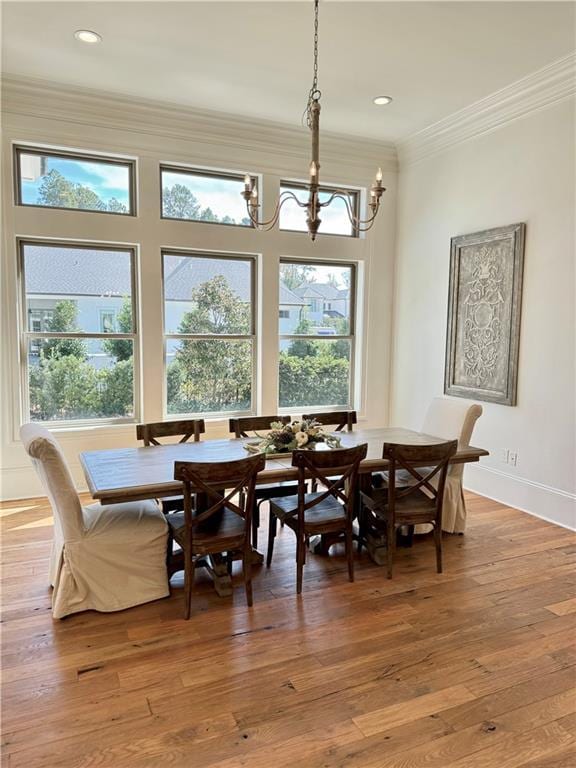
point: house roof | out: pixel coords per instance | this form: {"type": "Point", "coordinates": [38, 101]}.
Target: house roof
{"type": "Point", "coordinates": [325, 290]}
{"type": "Point", "coordinates": [89, 272]}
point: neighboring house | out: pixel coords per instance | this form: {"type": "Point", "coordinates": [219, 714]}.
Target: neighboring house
{"type": "Point", "coordinates": [324, 301]}
{"type": "Point", "coordinates": [49, 281]}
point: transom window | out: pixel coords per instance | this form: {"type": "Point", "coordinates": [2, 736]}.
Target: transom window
{"type": "Point", "coordinates": [210, 342]}
{"type": "Point", "coordinates": [335, 220]}
{"type": "Point", "coordinates": [81, 182]}
{"type": "Point", "coordinates": [317, 344]}
{"type": "Point", "coordinates": [76, 366]}
{"type": "Point", "coordinates": [198, 196]}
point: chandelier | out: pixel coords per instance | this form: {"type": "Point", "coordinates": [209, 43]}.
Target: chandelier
{"type": "Point", "coordinates": [313, 205]}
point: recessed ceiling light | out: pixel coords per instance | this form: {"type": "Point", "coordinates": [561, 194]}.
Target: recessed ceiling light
{"type": "Point", "coordinates": [382, 100]}
{"type": "Point", "coordinates": [86, 36]}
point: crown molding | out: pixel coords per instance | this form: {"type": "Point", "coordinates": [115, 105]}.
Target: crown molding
{"type": "Point", "coordinates": [547, 86]}
{"type": "Point", "coordinates": [23, 96]}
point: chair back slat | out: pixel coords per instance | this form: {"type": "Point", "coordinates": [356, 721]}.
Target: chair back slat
{"type": "Point", "coordinates": [338, 419]}
{"type": "Point", "coordinates": [423, 463]}
{"type": "Point", "coordinates": [149, 433]}
{"type": "Point", "coordinates": [210, 478]}
{"type": "Point", "coordinates": [318, 464]}
{"type": "Point", "coordinates": [243, 426]}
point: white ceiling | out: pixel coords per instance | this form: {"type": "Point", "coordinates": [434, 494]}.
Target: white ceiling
{"type": "Point", "coordinates": [254, 58]}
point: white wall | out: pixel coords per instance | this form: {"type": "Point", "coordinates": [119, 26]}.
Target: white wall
{"type": "Point", "coordinates": [524, 171]}
{"type": "Point", "coordinates": [46, 114]}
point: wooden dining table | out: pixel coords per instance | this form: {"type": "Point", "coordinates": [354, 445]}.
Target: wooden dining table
{"type": "Point", "coordinates": [130, 474]}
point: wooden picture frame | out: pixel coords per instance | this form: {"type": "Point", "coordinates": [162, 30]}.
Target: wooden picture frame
{"type": "Point", "coordinates": [484, 307]}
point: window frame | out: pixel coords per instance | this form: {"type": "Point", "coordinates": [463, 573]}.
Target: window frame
{"type": "Point", "coordinates": [203, 173]}
{"type": "Point", "coordinates": [350, 337]}
{"type": "Point", "coordinates": [24, 335]}
{"type": "Point", "coordinates": [72, 154]}
{"type": "Point", "coordinates": [298, 185]}
{"type": "Point", "coordinates": [252, 336]}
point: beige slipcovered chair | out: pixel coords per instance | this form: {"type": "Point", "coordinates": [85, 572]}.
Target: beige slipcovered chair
{"type": "Point", "coordinates": [104, 558]}
{"type": "Point", "coordinates": [452, 420]}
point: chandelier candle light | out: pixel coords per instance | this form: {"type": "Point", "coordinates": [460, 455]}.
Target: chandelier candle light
{"type": "Point", "coordinates": [313, 205]}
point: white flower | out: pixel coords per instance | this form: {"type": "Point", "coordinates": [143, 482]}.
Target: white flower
{"type": "Point", "coordinates": [301, 438]}
{"type": "Point", "coordinates": [296, 427]}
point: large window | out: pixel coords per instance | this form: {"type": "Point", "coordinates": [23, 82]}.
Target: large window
{"type": "Point", "coordinates": [78, 332]}
{"type": "Point", "coordinates": [317, 340]}
{"type": "Point", "coordinates": [335, 219]}
{"type": "Point", "coordinates": [198, 196]}
{"type": "Point", "coordinates": [209, 322]}
{"type": "Point", "coordinates": [63, 180]}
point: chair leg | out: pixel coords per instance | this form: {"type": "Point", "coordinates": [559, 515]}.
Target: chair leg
{"type": "Point", "coordinates": [247, 570]}
{"type": "Point", "coordinates": [300, 547]}
{"type": "Point", "coordinates": [188, 581]}
{"type": "Point", "coordinates": [350, 553]}
{"type": "Point", "coordinates": [390, 547]}
{"type": "Point", "coordinates": [255, 523]}
{"type": "Point", "coordinates": [438, 542]}
{"type": "Point", "coordinates": [229, 561]}
{"type": "Point", "coordinates": [271, 537]}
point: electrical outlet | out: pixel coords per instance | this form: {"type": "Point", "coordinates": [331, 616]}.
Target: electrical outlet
{"type": "Point", "coordinates": [513, 458]}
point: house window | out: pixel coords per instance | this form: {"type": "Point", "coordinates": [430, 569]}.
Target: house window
{"type": "Point", "coordinates": [107, 321]}
{"type": "Point", "coordinates": [73, 370]}
{"type": "Point", "coordinates": [284, 314]}
{"type": "Point", "coordinates": [335, 219]}
{"type": "Point", "coordinates": [198, 196]}
{"type": "Point", "coordinates": [210, 341]}
{"type": "Point", "coordinates": [80, 182]}
{"type": "Point", "coordinates": [317, 352]}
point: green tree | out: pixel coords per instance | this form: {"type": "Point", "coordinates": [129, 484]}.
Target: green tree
{"type": "Point", "coordinates": [319, 380]}
{"type": "Point", "coordinates": [121, 349]}
{"type": "Point", "coordinates": [295, 275]}
{"type": "Point", "coordinates": [57, 191]}
{"type": "Point", "coordinates": [116, 389]}
{"type": "Point", "coordinates": [64, 320]}
{"type": "Point", "coordinates": [303, 347]}
{"type": "Point", "coordinates": [212, 374]}
{"type": "Point", "coordinates": [63, 388]}
{"type": "Point", "coordinates": [179, 203]}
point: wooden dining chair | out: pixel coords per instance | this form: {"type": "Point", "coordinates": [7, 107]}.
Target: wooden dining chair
{"type": "Point", "coordinates": [152, 433]}
{"type": "Point", "coordinates": [222, 524]}
{"type": "Point", "coordinates": [338, 419]}
{"type": "Point", "coordinates": [249, 426]}
{"type": "Point", "coordinates": [387, 508]}
{"type": "Point", "coordinates": [327, 512]}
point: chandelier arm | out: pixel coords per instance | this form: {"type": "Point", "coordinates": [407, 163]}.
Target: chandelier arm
{"type": "Point", "coordinates": [360, 225]}
{"type": "Point", "coordinates": [284, 197]}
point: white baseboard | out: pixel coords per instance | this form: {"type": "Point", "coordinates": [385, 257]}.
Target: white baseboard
{"type": "Point", "coordinates": [551, 504]}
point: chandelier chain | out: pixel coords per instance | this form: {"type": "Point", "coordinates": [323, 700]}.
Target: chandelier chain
{"type": "Point", "coordinates": [314, 92]}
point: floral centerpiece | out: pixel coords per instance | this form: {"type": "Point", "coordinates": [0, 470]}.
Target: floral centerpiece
{"type": "Point", "coordinates": [284, 438]}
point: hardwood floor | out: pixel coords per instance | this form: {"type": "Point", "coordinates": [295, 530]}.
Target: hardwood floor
{"type": "Point", "coordinates": [474, 668]}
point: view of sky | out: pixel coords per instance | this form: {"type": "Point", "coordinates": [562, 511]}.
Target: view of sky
{"type": "Point", "coordinates": [106, 180]}
{"type": "Point", "coordinates": [223, 196]}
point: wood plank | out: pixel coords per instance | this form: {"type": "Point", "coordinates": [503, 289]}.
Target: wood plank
{"type": "Point", "coordinates": [467, 668]}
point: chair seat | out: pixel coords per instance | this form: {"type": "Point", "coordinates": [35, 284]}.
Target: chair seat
{"type": "Point", "coordinates": [416, 508]}
{"type": "Point", "coordinates": [129, 518]}
{"type": "Point", "coordinates": [327, 511]}
{"type": "Point", "coordinates": [218, 533]}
